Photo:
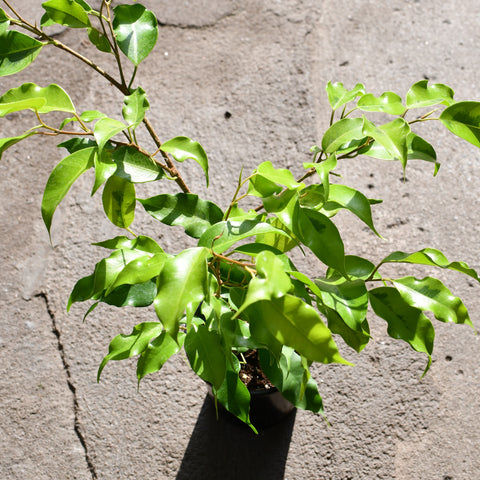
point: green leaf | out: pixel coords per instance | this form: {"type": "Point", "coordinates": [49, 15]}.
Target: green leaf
{"type": "Point", "coordinates": [387, 102]}
{"type": "Point", "coordinates": [422, 95]}
{"type": "Point", "coordinates": [105, 129]}
{"type": "Point", "coordinates": [17, 51]}
{"type": "Point", "coordinates": [294, 323]}
{"type": "Point", "coordinates": [119, 201]}
{"type": "Point", "coordinates": [8, 142]}
{"type": "Point", "coordinates": [281, 243]}
{"type": "Point", "coordinates": [206, 354]}
{"type": "Point", "coordinates": [280, 176]}
{"type": "Point", "coordinates": [463, 120]}
{"type": "Point", "coordinates": [139, 295]}
{"type": "Point", "coordinates": [140, 243]}
{"type": "Point", "coordinates": [320, 235]}
{"type": "Point", "coordinates": [66, 12]}
{"type": "Point", "coordinates": [185, 209]}
{"type": "Point", "coordinates": [136, 31]}
{"type": "Point", "coordinates": [338, 95]}
{"type": "Point", "coordinates": [135, 107]}
{"type": "Point", "coordinates": [341, 133]}
{"type": "Point", "coordinates": [392, 136]}
{"type": "Point", "coordinates": [223, 235]}
{"type": "Point", "coordinates": [430, 256]}
{"type": "Point", "coordinates": [183, 148]}
{"type": "Point", "coordinates": [31, 96]}
{"type": "Point", "coordinates": [99, 40]}
{"type": "Point", "coordinates": [62, 178]}
{"type": "Point", "coordinates": [431, 294]}
{"type": "Point", "coordinates": [135, 166]}
{"type": "Point", "coordinates": [323, 170]}
{"type": "Point", "coordinates": [182, 285]}
{"type": "Point", "coordinates": [233, 394]}
{"type": "Point", "coordinates": [156, 354]}
{"type": "Point", "coordinates": [126, 346]}
{"type": "Point", "coordinates": [292, 379]}
{"type": "Point", "coordinates": [105, 167]}
{"type": "Point", "coordinates": [404, 321]}
{"type": "Point", "coordinates": [4, 22]}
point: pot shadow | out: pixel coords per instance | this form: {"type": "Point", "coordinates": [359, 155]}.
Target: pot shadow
{"type": "Point", "coordinates": [226, 448]}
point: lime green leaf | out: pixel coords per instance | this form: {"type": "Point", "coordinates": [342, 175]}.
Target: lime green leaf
{"type": "Point", "coordinates": [431, 256]}
{"type": "Point", "coordinates": [463, 120]}
{"type": "Point", "coordinates": [338, 95]}
{"type": "Point", "coordinates": [139, 295]}
{"type": "Point", "coordinates": [392, 136]}
{"type": "Point", "coordinates": [8, 142]}
{"type": "Point", "coordinates": [183, 148]}
{"type": "Point", "coordinates": [357, 267]}
{"type": "Point", "coordinates": [292, 379]}
{"type": "Point", "coordinates": [135, 107]}
{"type": "Point", "coordinates": [135, 166]}
{"type": "Point", "coordinates": [223, 235]}
{"type": "Point", "coordinates": [135, 30]}
{"type": "Point", "coordinates": [4, 22]}
{"type": "Point", "coordinates": [126, 346]}
{"type": "Point", "coordinates": [387, 102]}
{"type": "Point", "coordinates": [62, 178]}
{"type": "Point", "coordinates": [156, 354]}
{"type": "Point", "coordinates": [31, 96]}
{"type": "Point", "coordinates": [17, 51]}
{"type": "Point", "coordinates": [422, 95]}
{"type": "Point", "coordinates": [404, 321]}
{"type": "Point", "coordinates": [321, 236]}
{"type": "Point", "coordinates": [233, 394]}
{"type": "Point", "coordinates": [119, 201]}
{"type": "Point", "coordinates": [191, 212]}
{"type": "Point", "coordinates": [105, 129]}
{"type": "Point", "coordinates": [431, 294]}
{"type": "Point", "coordinates": [341, 133]}
{"type": "Point", "coordinates": [139, 270]}
{"type": "Point", "coordinates": [294, 323]}
{"type": "Point", "coordinates": [66, 12]}
{"type": "Point", "coordinates": [140, 243]}
{"type": "Point", "coordinates": [323, 170]}
{"type": "Point", "coordinates": [105, 167]}
{"type": "Point", "coordinates": [90, 115]}
{"type": "Point", "coordinates": [182, 285]}
{"type": "Point", "coordinates": [260, 186]}
{"type": "Point", "coordinates": [281, 243]}
{"type": "Point", "coordinates": [280, 176]}
{"type": "Point", "coordinates": [206, 354]}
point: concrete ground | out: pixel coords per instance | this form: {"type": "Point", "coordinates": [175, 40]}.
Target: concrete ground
{"type": "Point", "coordinates": [266, 63]}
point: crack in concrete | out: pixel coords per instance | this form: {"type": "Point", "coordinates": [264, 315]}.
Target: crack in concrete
{"type": "Point", "coordinates": [71, 386]}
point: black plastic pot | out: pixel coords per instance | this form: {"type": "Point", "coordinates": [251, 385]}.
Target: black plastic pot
{"type": "Point", "coordinates": [267, 407]}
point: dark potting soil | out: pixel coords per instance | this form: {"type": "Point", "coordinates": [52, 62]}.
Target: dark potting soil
{"type": "Point", "coordinates": [251, 373]}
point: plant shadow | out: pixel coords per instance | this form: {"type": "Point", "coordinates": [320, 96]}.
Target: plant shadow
{"type": "Point", "coordinates": [226, 448]}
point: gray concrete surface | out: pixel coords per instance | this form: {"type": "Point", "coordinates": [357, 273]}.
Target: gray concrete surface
{"type": "Point", "coordinates": [267, 64]}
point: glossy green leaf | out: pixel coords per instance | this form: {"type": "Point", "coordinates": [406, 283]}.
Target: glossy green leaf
{"type": "Point", "coordinates": [233, 394]}
{"type": "Point", "coordinates": [280, 176]}
{"type": "Point", "coordinates": [431, 294]}
{"type": "Point", "coordinates": [292, 379]}
{"type": "Point", "coordinates": [139, 270]}
{"type": "Point", "coordinates": [9, 141]}
{"type": "Point", "coordinates": [323, 170]}
{"type": "Point", "coordinates": [463, 120]}
{"type": "Point", "coordinates": [206, 354]}
{"type": "Point", "coordinates": [99, 40]}
{"type": "Point", "coordinates": [138, 295]}
{"type": "Point", "coordinates": [126, 346]}
{"type": "Point", "coordinates": [140, 243]}
{"type": "Point", "coordinates": [135, 107]}
{"type": "Point", "coordinates": [431, 256]}
{"type": "Point", "coordinates": [135, 166]}
{"type": "Point", "coordinates": [387, 102]}
{"type": "Point", "coordinates": [105, 129]}
{"type": "Point", "coordinates": [17, 51]}
{"type": "Point", "coordinates": [280, 242]}
{"type": "Point", "coordinates": [392, 136]}
{"type": "Point", "coordinates": [65, 12]}
{"type": "Point", "coordinates": [135, 30]}
{"type": "Point", "coordinates": [321, 236]}
{"type": "Point", "coordinates": [158, 351]}
{"type": "Point", "coordinates": [294, 323]}
{"type": "Point", "coordinates": [341, 133]}
{"type": "Point", "coordinates": [182, 285]}
{"type": "Point", "coordinates": [223, 235]}
{"type": "Point", "coordinates": [338, 95]}
{"type": "Point", "coordinates": [118, 201]}
{"type": "Point", "coordinates": [62, 178]}
{"type": "Point", "coordinates": [4, 22]}
{"type": "Point", "coordinates": [357, 268]}
{"type": "Point", "coordinates": [105, 167]}
{"type": "Point", "coordinates": [185, 209]}
{"type": "Point", "coordinates": [404, 321]}
{"type": "Point", "coordinates": [423, 95]}
{"type": "Point", "coordinates": [183, 148]}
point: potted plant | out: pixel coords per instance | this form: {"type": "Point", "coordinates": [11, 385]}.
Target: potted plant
{"type": "Point", "coordinates": [235, 302]}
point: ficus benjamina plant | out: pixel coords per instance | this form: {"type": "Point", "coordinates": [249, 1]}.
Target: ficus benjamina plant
{"type": "Point", "coordinates": [238, 289]}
